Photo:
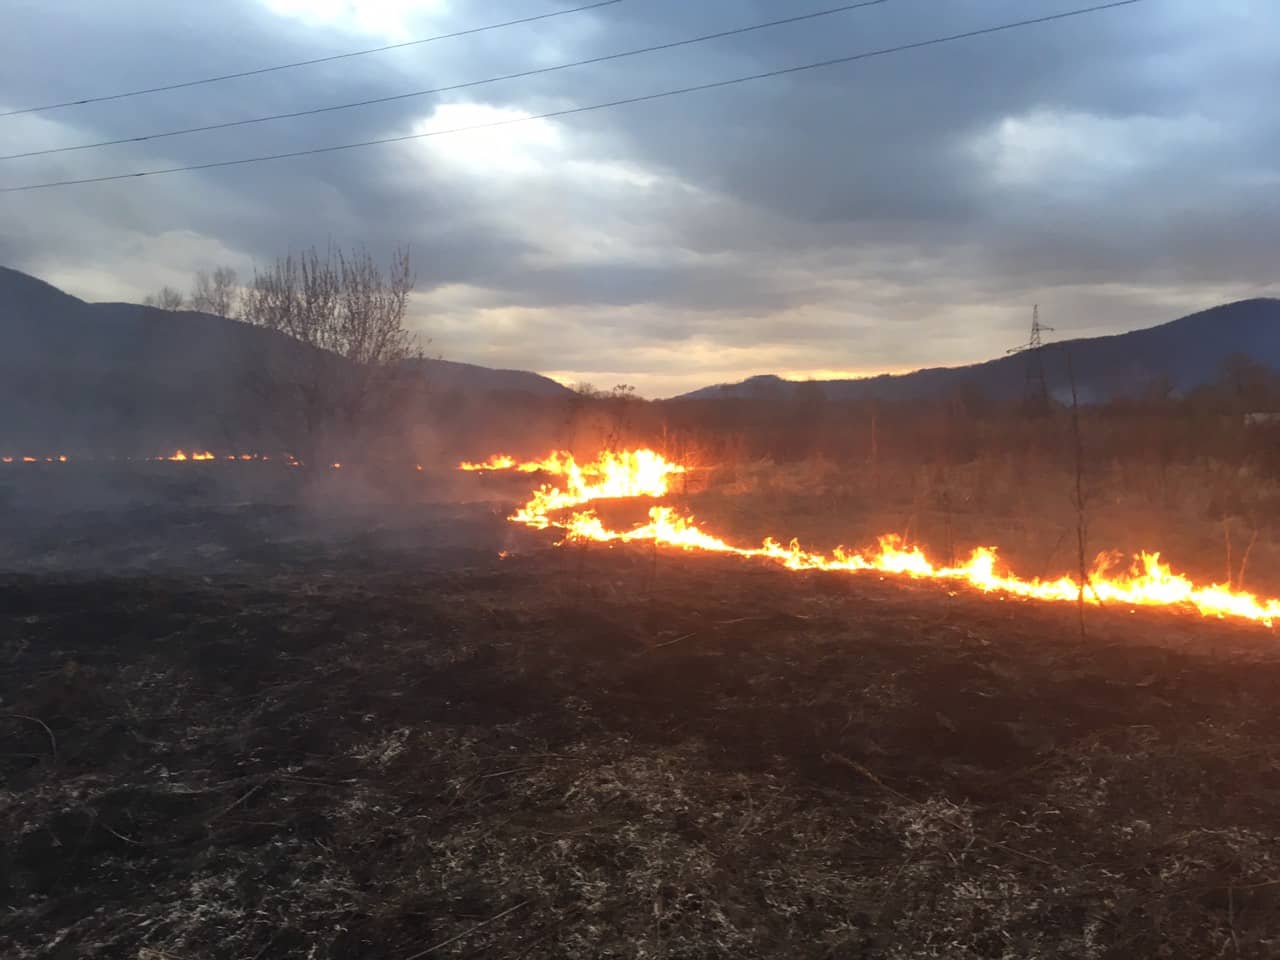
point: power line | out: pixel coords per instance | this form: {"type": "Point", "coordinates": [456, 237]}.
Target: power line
{"type": "Point", "coordinates": [306, 63]}
{"type": "Point", "coordinates": [695, 88]}
{"type": "Point", "coordinates": [456, 86]}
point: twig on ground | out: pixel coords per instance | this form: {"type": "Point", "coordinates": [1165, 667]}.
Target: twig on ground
{"type": "Point", "coordinates": [506, 773]}
{"type": "Point", "coordinates": [243, 797]}
{"type": "Point", "coordinates": [1231, 918]}
{"type": "Point", "coordinates": [667, 643]}
{"type": "Point", "coordinates": [468, 932]}
{"type": "Point", "coordinates": [121, 836]}
{"type": "Point", "coordinates": [53, 741]}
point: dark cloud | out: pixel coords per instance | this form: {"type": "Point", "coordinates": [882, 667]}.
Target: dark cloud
{"type": "Point", "coordinates": [897, 212]}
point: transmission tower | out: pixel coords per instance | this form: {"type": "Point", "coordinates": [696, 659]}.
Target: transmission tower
{"type": "Point", "coordinates": [1035, 391]}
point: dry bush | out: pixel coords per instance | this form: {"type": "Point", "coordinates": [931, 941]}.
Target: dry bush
{"type": "Point", "coordinates": [345, 371]}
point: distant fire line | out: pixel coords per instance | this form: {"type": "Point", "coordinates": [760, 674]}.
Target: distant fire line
{"type": "Point", "coordinates": [1148, 582]}
{"type": "Point", "coordinates": [178, 456]}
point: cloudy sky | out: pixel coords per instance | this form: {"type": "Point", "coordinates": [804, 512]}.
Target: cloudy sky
{"type": "Point", "coordinates": [1120, 169]}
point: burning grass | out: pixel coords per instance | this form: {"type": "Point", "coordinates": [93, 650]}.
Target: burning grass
{"type": "Point", "coordinates": [644, 474]}
{"type": "Point", "coordinates": [391, 741]}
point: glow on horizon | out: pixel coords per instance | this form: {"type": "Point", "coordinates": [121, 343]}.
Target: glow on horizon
{"type": "Point", "coordinates": [647, 383]}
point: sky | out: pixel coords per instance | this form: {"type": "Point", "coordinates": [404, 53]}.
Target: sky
{"type": "Point", "coordinates": [1119, 169]}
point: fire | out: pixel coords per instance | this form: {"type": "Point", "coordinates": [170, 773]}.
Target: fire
{"type": "Point", "coordinates": [496, 462]}
{"type": "Point", "coordinates": [1148, 581]}
{"type": "Point", "coordinates": [555, 462]}
{"type": "Point", "coordinates": [180, 456]}
{"type": "Point", "coordinates": [639, 473]}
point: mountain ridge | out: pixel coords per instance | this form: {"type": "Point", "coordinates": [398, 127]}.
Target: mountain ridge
{"type": "Point", "coordinates": [1189, 351]}
{"type": "Point", "coordinates": [82, 374]}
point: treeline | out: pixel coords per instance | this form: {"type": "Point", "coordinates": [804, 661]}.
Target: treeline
{"type": "Point", "coordinates": [1215, 422]}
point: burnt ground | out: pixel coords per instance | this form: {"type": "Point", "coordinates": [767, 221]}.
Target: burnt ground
{"type": "Point", "coordinates": [253, 739]}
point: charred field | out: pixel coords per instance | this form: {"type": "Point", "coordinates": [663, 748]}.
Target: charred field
{"type": "Point", "coordinates": [252, 739]}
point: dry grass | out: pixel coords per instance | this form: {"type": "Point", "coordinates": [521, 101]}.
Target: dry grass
{"type": "Point", "coordinates": [389, 744]}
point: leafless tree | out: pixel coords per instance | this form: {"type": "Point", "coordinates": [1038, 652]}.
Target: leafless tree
{"type": "Point", "coordinates": [347, 367]}
{"type": "Point", "coordinates": [215, 293]}
{"type": "Point", "coordinates": [167, 298]}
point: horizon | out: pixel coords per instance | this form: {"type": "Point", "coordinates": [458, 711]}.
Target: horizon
{"type": "Point", "coordinates": [603, 381]}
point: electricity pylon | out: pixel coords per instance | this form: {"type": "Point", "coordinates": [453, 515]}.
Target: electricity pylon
{"type": "Point", "coordinates": [1035, 391]}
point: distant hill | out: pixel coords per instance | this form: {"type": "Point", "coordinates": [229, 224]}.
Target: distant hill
{"type": "Point", "coordinates": [1189, 351]}
{"type": "Point", "coordinates": [450, 375]}
{"type": "Point", "coordinates": [107, 375]}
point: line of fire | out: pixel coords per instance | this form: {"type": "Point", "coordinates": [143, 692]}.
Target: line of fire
{"type": "Point", "coordinates": [644, 474]}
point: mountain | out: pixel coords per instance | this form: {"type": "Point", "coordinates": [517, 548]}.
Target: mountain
{"type": "Point", "coordinates": [110, 375]}
{"type": "Point", "coordinates": [448, 375]}
{"type": "Point", "coordinates": [52, 334]}
{"type": "Point", "coordinates": [1189, 352]}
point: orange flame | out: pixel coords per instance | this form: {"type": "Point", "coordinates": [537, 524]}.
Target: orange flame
{"type": "Point", "coordinates": [181, 456]}
{"type": "Point", "coordinates": [1149, 582]}
{"type": "Point", "coordinates": [556, 462]}
{"type": "Point", "coordinates": [497, 462]}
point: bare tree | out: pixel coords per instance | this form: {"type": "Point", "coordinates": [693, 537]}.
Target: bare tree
{"type": "Point", "coordinates": [215, 293]}
{"type": "Point", "coordinates": [347, 369]}
{"type": "Point", "coordinates": [167, 298]}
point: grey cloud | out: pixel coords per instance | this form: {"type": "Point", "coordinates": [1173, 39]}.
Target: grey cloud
{"type": "Point", "coordinates": [867, 214]}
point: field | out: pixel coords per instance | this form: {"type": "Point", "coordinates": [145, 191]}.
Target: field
{"type": "Point", "coordinates": [263, 731]}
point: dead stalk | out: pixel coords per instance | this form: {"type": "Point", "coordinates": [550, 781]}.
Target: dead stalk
{"type": "Point", "coordinates": [1079, 497]}
{"type": "Point", "coordinates": [53, 741]}
{"type": "Point", "coordinates": [1231, 919]}
{"type": "Point", "coordinates": [1244, 560]}
{"type": "Point", "coordinates": [667, 643]}
{"type": "Point", "coordinates": [1226, 536]}
{"type": "Point", "coordinates": [243, 797]}
{"type": "Point", "coordinates": [468, 932]}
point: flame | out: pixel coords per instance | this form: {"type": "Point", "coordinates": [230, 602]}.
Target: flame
{"type": "Point", "coordinates": [556, 462]}
{"type": "Point", "coordinates": [178, 456]}
{"type": "Point", "coordinates": [497, 462]}
{"type": "Point", "coordinates": [1148, 581]}
{"type": "Point", "coordinates": [638, 473]}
